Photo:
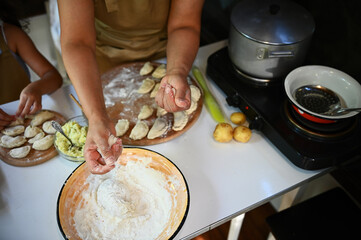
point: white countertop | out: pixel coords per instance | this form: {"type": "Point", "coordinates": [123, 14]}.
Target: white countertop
{"type": "Point", "coordinates": [224, 179]}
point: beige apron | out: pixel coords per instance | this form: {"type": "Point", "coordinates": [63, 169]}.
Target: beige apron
{"type": "Point", "coordinates": [13, 78]}
{"type": "Point", "coordinates": [130, 30]}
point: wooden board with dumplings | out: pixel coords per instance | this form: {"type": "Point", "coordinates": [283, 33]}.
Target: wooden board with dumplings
{"type": "Point", "coordinates": [29, 141]}
{"type": "Point", "coordinates": [129, 92]}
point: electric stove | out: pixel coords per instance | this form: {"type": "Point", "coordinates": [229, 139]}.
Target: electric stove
{"type": "Point", "coordinates": [306, 144]}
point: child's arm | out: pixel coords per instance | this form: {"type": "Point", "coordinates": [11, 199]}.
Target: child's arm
{"type": "Point", "coordinates": [50, 79]}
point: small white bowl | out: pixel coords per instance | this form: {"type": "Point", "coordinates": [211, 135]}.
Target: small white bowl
{"type": "Point", "coordinates": [346, 87]}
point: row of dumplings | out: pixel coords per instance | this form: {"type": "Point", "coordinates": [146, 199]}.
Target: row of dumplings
{"type": "Point", "coordinates": [40, 137]}
{"type": "Point", "coordinates": [160, 125]}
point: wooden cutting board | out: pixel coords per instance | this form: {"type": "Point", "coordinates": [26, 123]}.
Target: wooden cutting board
{"type": "Point", "coordinates": [34, 157]}
{"type": "Point", "coordinates": [120, 86]}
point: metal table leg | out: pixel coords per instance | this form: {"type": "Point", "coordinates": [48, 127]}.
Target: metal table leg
{"type": "Point", "coordinates": [235, 228]}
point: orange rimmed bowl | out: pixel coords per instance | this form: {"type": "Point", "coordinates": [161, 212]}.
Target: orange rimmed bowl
{"type": "Point", "coordinates": [71, 193]}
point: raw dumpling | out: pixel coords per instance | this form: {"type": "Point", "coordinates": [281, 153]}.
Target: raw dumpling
{"type": "Point", "coordinates": [192, 108]}
{"type": "Point", "coordinates": [195, 93]}
{"type": "Point", "coordinates": [159, 72]}
{"type": "Point", "coordinates": [139, 131]}
{"type": "Point", "coordinates": [161, 111]}
{"type": "Point", "coordinates": [13, 131]}
{"type": "Point", "coordinates": [48, 128]}
{"type": "Point", "coordinates": [20, 152]}
{"type": "Point", "coordinates": [147, 85]}
{"type": "Point", "coordinates": [31, 131]}
{"type": "Point", "coordinates": [38, 136]}
{"type": "Point", "coordinates": [121, 127]}
{"type": "Point", "coordinates": [41, 117]}
{"type": "Point", "coordinates": [145, 112]}
{"type": "Point", "coordinates": [44, 143]}
{"type": "Point", "coordinates": [18, 121]}
{"type": "Point", "coordinates": [11, 142]}
{"type": "Point", "coordinates": [180, 120]}
{"type": "Point", "coordinates": [146, 69]}
{"type": "Point", "coordinates": [155, 90]}
{"type": "Point", "coordinates": [159, 127]}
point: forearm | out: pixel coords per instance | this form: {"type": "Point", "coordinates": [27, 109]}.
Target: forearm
{"type": "Point", "coordinates": [80, 63]}
{"type": "Point", "coordinates": [182, 48]}
{"type": "Point", "coordinates": [49, 82]}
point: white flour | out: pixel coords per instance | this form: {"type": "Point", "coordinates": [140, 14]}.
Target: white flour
{"type": "Point", "coordinates": [121, 86]}
{"type": "Point", "coordinates": [130, 202]}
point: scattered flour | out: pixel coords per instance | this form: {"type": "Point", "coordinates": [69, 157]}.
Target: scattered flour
{"type": "Point", "coordinates": [120, 86]}
{"type": "Point", "coordinates": [130, 202]}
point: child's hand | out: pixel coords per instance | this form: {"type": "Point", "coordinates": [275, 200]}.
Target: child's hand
{"type": "Point", "coordinates": [5, 119]}
{"type": "Point", "coordinates": [30, 101]}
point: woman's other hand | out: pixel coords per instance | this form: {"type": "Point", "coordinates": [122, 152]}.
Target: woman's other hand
{"type": "Point", "coordinates": [174, 93]}
{"type": "Point", "coordinates": [102, 149]}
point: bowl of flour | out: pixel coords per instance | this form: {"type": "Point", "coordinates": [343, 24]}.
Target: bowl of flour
{"type": "Point", "coordinates": [144, 197]}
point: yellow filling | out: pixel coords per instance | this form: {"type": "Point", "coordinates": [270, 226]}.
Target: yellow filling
{"type": "Point", "coordinates": [77, 135]}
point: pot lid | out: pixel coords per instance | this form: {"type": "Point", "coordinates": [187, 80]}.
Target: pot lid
{"type": "Point", "coordinates": [272, 21]}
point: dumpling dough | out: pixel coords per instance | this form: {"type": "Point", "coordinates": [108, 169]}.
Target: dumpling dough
{"type": "Point", "coordinates": [18, 121]}
{"type": "Point", "coordinates": [195, 93]}
{"type": "Point", "coordinates": [146, 69]}
{"type": "Point", "coordinates": [41, 117]}
{"type": "Point", "coordinates": [147, 85]}
{"type": "Point", "coordinates": [48, 128]}
{"type": "Point", "coordinates": [20, 152]}
{"type": "Point", "coordinates": [180, 120]}
{"type": "Point", "coordinates": [13, 131]}
{"type": "Point", "coordinates": [31, 131]}
{"type": "Point", "coordinates": [192, 108]}
{"type": "Point", "coordinates": [155, 90]}
{"type": "Point", "coordinates": [38, 136]}
{"type": "Point", "coordinates": [139, 131]}
{"type": "Point", "coordinates": [11, 142]}
{"type": "Point", "coordinates": [161, 111]}
{"type": "Point", "coordinates": [159, 127]}
{"type": "Point", "coordinates": [121, 127]}
{"type": "Point", "coordinates": [145, 112]}
{"type": "Point", "coordinates": [44, 143]}
{"type": "Point", "coordinates": [159, 72]}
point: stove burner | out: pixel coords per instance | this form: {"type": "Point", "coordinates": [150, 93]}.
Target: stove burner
{"type": "Point", "coordinates": [304, 146]}
{"type": "Point", "coordinates": [319, 131]}
{"type": "Point", "coordinates": [254, 81]}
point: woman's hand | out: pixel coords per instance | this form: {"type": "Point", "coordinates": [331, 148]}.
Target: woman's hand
{"type": "Point", "coordinates": [30, 100]}
{"type": "Point", "coordinates": [174, 93]}
{"type": "Point", "coordinates": [5, 119]}
{"type": "Point", "coordinates": [101, 149]}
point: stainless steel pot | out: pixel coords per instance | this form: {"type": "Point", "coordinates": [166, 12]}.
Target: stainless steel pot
{"type": "Point", "coordinates": [268, 38]}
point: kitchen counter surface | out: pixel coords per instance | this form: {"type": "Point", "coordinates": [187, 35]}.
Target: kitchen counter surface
{"type": "Point", "coordinates": [224, 179]}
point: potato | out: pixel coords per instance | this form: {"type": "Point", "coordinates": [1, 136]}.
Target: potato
{"type": "Point", "coordinates": [223, 132]}
{"type": "Point", "coordinates": [238, 118]}
{"type": "Point", "coordinates": [242, 134]}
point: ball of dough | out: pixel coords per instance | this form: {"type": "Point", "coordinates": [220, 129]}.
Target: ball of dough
{"type": "Point", "coordinates": [238, 118]}
{"type": "Point", "coordinates": [242, 134]}
{"type": "Point", "coordinates": [223, 132]}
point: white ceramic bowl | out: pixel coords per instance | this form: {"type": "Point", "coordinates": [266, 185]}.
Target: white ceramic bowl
{"type": "Point", "coordinates": [346, 87]}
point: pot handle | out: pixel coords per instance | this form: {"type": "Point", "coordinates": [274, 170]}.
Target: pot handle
{"type": "Point", "coordinates": [262, 53]}
{"type": "Point", "coordinates": [277, 54]}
